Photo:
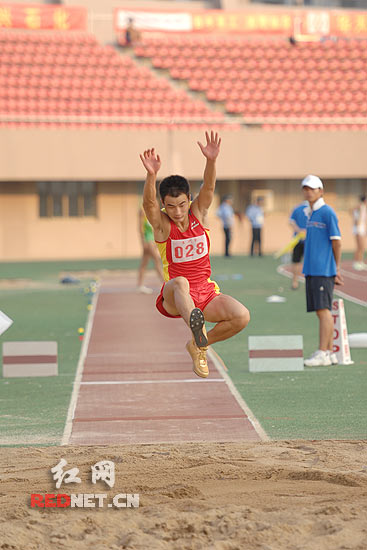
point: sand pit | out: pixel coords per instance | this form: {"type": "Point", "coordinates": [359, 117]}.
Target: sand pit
{"type": "Point", "coordinates": [270, 496]}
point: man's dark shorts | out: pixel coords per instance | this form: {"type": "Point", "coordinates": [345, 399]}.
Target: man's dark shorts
{"type": "Point", "coordinates": [298, 251]}
{"type": "Point", "coordinates": [319, 292]}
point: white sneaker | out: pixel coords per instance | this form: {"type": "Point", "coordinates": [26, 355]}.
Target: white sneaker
{"type": "Point", "coordinates": [333, 358]}
{"type": "Point", "coordinates": [358, 266]}
{"type": "Point", "coordinates": [144, 290]}
{"type": "Point", "coordinates": [318, 359]}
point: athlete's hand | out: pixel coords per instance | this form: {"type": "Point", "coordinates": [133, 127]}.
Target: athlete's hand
{"type": "Point", "coordinates": [339, 279]}
{"type": "Point", "coordinates": [151, 161]}
{"type": "Point", "coordinates": [212, 147]}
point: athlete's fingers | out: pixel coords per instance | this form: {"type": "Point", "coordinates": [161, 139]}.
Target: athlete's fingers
{"type": "Point", "coordinates": [158, 158]}
{"type": "Point", "coordinates": [207, 138]}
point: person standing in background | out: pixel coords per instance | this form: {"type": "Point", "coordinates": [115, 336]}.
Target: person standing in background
{"type": "Point", "coordinates": [226, 213]}
{"type": "Point", "coordinates": [321, 267]}
{"type": "Point", "coordinates": [132, 35]}
{"type": "Point", "coordinates": [150, 251]}
{"type": "Point", "coordinates": [255, 213]}
{"type": "Point", "coordinates": [359, 214]}
{"type": "Point", "coordinates": [298, 221]}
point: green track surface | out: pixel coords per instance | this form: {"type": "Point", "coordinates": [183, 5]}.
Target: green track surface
{"type": "Point", "coordinates": [318, 403]}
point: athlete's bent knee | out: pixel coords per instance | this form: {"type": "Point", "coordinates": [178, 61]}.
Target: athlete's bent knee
{"type": "Point", "coordinates": [181, 283]}
{"type": "Point", "coordinates": [242, 320]}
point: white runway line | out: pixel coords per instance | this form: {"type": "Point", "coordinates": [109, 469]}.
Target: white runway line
{"type": "Point", "coordinates": [355, 276]}
{"type": "Point", "coordinates": [113, 382]}
{"type": "Point", "coordinates": [281, 270]}
{"type": "Point", "coordinates": [132, 354]}
{"type": "Point", "coordinates": [350, 298]}
{"type": "Point", "coordinates": [79, 371]}
{"type": "Point", "coordinates": [217, 360]}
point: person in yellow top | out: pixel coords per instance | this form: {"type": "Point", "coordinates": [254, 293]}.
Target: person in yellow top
{"type": "Point", "coordinates": [150, 252]}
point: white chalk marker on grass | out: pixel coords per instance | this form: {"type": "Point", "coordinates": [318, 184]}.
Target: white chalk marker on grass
{"type": "Point", "coordinates": [5, 322]}
{"type": "Point", "coordinates": [275, 353]}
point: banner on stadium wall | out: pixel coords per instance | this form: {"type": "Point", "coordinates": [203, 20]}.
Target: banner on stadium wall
{"type": "Point", "coordinates": [41, 17]}
{"type": "Point", "coordinates": [318, 23]}
{"type": "Point", "coordinates": [154, 20]}
{"type": "Point", "coordinates": [332, 23]}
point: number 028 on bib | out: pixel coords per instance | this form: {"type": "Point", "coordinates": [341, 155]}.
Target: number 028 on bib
{"type": "Point", "coordinates": [187, 250]}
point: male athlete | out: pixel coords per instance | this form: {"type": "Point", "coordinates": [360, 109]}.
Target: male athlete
{"type": "Point", "coordinates": [184, 245]}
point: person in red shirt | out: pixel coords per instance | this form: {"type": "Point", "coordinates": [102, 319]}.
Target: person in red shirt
{"type": "Point", "coordinates": [184, 245]}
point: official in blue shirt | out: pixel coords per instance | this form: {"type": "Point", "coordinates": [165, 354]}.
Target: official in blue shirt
{"type": "Point", "coordinates": [321, 267]}
{"type": "Point", "coordinates": [255, 214]}
{"type": "Point", "coordinates": [226, 213]}
{"type": "Point", "coordinates": [298, 221]}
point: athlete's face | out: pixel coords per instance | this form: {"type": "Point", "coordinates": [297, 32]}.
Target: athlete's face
{"type": "Point", "coordinates": [311, 195]}
{"type": "Point", "coordinates": [177, 208]}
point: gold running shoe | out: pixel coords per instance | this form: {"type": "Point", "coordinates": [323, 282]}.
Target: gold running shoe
{"type": "Point", "coordinates": [198, 356]}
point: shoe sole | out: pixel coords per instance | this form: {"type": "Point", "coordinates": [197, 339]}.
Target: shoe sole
{"type": "Point", "coordinates": [319, 365]}
{"type": "Point", "coordinates": [196, 325]}
{"type": "Point", "coordinates": [200, 374]}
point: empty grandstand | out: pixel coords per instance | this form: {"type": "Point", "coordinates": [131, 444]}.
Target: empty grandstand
{"type": "Point", "coordinates": [264, 80]}
{"type": "Point", "coordinates": [55, 78]}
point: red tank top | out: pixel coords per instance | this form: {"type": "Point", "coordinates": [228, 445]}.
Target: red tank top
{"type": "Point", "coordinates": [186, 254]}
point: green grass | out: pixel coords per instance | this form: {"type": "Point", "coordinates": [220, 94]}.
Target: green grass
{"type": "Point", "coordinates": [33, 410]}
{"type": "Point", "coordinates": [49, 271]}
{"type": "Point", "coordinates": [316, 403]}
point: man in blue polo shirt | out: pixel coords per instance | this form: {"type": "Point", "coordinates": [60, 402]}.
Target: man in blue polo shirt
{"type": "Point", "coordinates": [321, 267]}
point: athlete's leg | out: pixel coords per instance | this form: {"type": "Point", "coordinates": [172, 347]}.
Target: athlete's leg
{"type": "Point", "coordinates": [297, 270]}
{"type": "Point", "coordinates": [252, 242]}
{"type": "Point", "coordinates": [259, 242]}
{"type": "Point", "coordinates": [177, 299]}
{"type": "Point", "coordinates": [154, 254]}
{"type": "Point", "coordinates": [358, 256]}
{"type": "Point", "coordinates": [227, 233]}
{"type": "Point", "coordinates": [230, 315]}
{"type": "Point", "coordinates": [143, 265]}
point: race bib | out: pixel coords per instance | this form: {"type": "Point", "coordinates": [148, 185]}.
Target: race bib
{"type": "Point", "coordinates": [187, 250]}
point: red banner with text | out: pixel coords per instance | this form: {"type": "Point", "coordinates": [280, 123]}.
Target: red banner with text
{"type": "Point", "coordinates": [41, 17]}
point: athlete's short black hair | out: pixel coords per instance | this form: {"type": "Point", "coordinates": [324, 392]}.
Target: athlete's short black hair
{"type": "Point", "coordinates": [174, 186]}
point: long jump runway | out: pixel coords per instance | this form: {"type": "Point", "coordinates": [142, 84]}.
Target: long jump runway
{"type": "Point", "coordinates": [137, 384]}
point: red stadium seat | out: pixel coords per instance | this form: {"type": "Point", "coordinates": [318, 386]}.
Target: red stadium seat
{"type": "Point", "coordinates": [62, 73]}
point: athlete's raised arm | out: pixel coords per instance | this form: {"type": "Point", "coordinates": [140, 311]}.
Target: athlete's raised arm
{"type": "Point", "coordinates": [206, 194]}
{"type": "Point", "coordinates": [152, 164]}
